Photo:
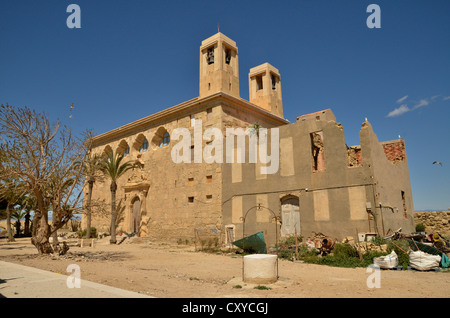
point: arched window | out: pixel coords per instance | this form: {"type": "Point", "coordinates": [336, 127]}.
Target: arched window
{"type": "Point", "coordinates": [126, 152]}
{"type": "Point", "coordinates": [144, 146]}
{"type": "Point", "coordinates": [107, 151]}
{"type": "Point", "coordinates": [165, 140]}
{"type": "Point", "coordinates": [123, 149]}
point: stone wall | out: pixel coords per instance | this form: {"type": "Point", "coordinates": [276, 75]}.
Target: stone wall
{"type": "Point", "coordinates": [436, 221]}
{"type": "Point", "coordinates": [395, 150]}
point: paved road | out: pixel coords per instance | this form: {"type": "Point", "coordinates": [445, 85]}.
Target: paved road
{"type": "Point", "coordinates": [18, 281]}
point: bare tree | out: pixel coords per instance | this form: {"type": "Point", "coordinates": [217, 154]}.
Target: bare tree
{"type": "Point", "coordinates": [41, 157]}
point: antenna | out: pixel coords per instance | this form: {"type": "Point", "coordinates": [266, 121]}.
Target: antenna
{"type": "Point", "coordinates": [218, 28]}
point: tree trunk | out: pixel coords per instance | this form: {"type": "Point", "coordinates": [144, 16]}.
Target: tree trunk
{"type": "Point", "coordinates": [26, 230]}
{"type": "Point", "coordinates": [113, 213]}
{"type": "Point", "coordinates": [17, 226]}
{"type": "Point", "coordinates": [57, 248]}
{"type": "Point", "coordinates": [41, 233]}
{"type": "Point", "coordinates": [88, 209]}
{"type": "Point", "coordinates": [55, 240]}
{"type": "Point", "coordinates": [41, 229]}
{"type": "Point", "coordinates": [57, 224]}
{"type": "Point", "coordinates": [8, 223]}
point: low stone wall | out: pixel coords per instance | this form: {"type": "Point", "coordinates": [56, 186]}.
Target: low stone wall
{"type": "Point", "coordinates": [435, 221]}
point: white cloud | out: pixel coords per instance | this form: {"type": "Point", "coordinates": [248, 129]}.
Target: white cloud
{"type": "Point", "coordinates": [402, 99]}
{"type": "Point", "coordinates": [399, 111]}
{"type": "Point", "coordinates": [422, 102]}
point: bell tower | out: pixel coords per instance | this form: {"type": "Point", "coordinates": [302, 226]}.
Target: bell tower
{"type": "Point", "coordinates": [265, 88]}
{"type": "Point", "coordinates": [219, 67]}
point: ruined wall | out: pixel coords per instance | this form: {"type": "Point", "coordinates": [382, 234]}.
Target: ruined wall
{"type": "Point", "coordinates": [321, 185]}
{"type": "Point", "coordinates": [435, 221]}
{"type": "Point", "coordinates": [237, 174]}
{"type": "Point", "coordinates": [393, 204]}
{"type": "Point", "coordinates": [331, 196]}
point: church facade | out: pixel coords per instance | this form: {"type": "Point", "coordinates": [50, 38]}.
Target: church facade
{"type": "Point", "coordinates": [319, 185]}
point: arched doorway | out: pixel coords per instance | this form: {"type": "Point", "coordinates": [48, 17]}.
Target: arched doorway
{"type": "Point", "coordinates": [135, 215]}
{"type": "Point", "coordinates": [290, 215]}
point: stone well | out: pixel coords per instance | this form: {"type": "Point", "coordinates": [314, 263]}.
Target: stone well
{"type": "Point", "coordinates": [260, 269]}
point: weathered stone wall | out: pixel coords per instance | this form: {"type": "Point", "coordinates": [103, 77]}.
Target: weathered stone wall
{"type": "Point", "coordinates": [175, 199]}
{"type": "Point", "coordinates": [436, 221]}
{"type": "Point", "coordinates": [388, 165]}
{"type": "Point", "coordinates": [332, 200]}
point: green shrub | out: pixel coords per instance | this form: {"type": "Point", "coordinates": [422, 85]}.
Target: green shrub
{"type": "Point", "coordinates": [210, 245]}
{"type": "Point", "coordinates": [420, 227]}
{"type": "Point", "coordinates": [378, 240]}
{"type": "Point", "coordinates": [304, 251]}
{"type": "Point", "coordinates": [345, 250]}
{"type": "Point", "coordinates": [290, 240]}
{"type": "Point", "coordinates": [182, 241]}
{"type": "Point", "coordinates": [286, 253]}
{"type": "Point", "coordinates": [346, 255]}
{"type": "Point", "coordinates": [343, 255]}
{"type": "Point", "coordinates": [83, 233]}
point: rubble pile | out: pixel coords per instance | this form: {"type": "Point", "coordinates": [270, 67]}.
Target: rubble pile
{"type": "Point", "coordinates": [423, 251]}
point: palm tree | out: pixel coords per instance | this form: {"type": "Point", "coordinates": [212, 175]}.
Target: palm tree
{"type": "Point", "coordinates": [28, 203]}
{"type": "Point", "coordinates": [18, 214]}
{"type": "Point", "coordinates": [12, 193]}
{"type": "Point", "coordinates": [92, 167]}
{"type": "Point", "coordinates": [113, 168]}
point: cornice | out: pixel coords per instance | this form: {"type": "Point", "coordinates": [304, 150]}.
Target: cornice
{"type": "Point", "coordinates": [233, 102]}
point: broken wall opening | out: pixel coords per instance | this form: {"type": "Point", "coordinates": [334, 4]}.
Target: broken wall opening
{"type": "Point", "coordinates": [354, 157]}
{"type": "Point", "coordinates": [405, 210]}
{"type": "Point", "coordinates": [317, 151]}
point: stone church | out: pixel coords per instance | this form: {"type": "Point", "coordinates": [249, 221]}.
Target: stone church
{"type": "Point", "coordinates": [322, 185]}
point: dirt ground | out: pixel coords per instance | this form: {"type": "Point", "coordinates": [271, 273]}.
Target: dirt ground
{"type": "Point", "coordinates": [178, 271]}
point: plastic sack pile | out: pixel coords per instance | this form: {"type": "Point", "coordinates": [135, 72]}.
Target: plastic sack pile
{"type": "Point", "coordinates": [386, 262]}
{"type": "Point", "coordinates": [422, 261]}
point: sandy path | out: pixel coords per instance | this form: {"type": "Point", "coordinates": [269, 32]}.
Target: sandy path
{"type": "Point", "coordinates": [177, 271]}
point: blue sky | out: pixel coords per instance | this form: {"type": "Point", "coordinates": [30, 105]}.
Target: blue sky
{"type": "Point", "coordinates": [131, 59]}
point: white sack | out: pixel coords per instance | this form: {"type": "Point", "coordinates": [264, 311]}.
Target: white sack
{"type": "Point", "coordinates": [388, 261]}
{"type": "Point", "coordinates": [423, 261]}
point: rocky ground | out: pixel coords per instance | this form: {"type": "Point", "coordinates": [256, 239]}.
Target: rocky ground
{"type": "Point", "coordinates": [178, 271]}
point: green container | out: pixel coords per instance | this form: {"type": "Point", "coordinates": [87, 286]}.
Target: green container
{"type": "Point", "coordinates": [254, 243]}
